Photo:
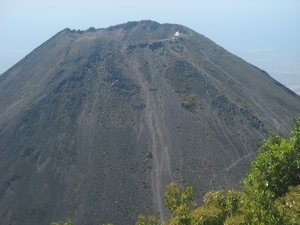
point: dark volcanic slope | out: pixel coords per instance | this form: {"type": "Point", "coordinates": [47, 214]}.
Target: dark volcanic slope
{"type": "Point", "coordinates": [94, 124]}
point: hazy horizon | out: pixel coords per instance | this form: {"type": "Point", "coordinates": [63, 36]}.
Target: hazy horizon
{"type": "Point", "coordinates": [265, 33]}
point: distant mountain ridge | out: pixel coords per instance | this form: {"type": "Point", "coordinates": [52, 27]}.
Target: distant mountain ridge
{"type": "Point", "coordinates": [95, 123]}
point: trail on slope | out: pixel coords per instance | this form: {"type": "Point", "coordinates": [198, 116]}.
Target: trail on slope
{"type": "Point", "coordinates": [160, 143]}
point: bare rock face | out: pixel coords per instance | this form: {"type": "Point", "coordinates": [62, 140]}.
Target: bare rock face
{"type": "Point", "coordinates": [94, 124]}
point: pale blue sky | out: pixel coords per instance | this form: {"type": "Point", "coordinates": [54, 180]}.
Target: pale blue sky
{"type": "Point", "coordinates": [239, 26]}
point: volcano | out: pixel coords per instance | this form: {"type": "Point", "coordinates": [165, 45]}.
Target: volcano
{"type": "Point", "coordinates": [95, 123]}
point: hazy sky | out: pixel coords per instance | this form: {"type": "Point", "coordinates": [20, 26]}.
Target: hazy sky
{"type": "Point", "coordinates": [239, 26]}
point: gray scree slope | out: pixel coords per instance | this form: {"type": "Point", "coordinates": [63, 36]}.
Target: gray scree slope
{"type": "Point", "coordinates": [95, 123]}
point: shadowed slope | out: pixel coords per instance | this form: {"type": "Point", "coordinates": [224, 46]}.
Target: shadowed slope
{"type": "Point", "coordinates": [94, 124]}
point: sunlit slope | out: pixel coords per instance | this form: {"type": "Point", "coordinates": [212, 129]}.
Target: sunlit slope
{"type": "Point", "coordinates": [94, 124]}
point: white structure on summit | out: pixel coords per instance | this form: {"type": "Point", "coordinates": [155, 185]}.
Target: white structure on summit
{"type": "Point", "coordinates": [177, 34]}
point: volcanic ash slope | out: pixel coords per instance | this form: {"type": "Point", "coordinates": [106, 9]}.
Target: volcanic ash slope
{"type": "Point", "coordinates": [94, 124]}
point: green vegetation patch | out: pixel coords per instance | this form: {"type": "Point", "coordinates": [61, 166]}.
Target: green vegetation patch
{"type": "Point", "coordinates": [270, 193]}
